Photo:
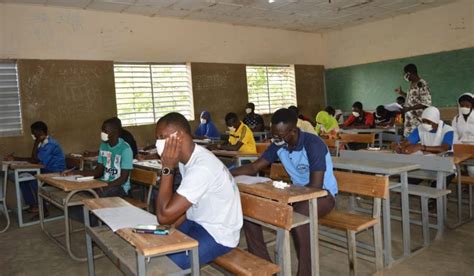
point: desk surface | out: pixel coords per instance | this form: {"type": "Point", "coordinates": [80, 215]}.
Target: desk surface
{"type": "Point", "coordinates": [69, 186]}
{"type": "Point", "coordinates": [228, 153]}
{"type": "Point", "coordinates": [290, 194]}
{"type": "Point", "coordinates": [145, 244]}
{"type": "Point", "coordinates": [373, 166]}
{"type": "Point", "coordinates": [368, 130]}
{"type": "Point", "coordinates": [152, 164]}
{"type": "Point", "coordinates": [460, 157]}
{"type": "Point", "coordinates": [21, 165]}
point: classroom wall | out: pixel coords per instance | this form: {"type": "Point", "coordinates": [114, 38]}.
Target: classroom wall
{"type": "Point", "coordinates": [445, 28]}
{"type": "Point", "coordinates": [38, 32]}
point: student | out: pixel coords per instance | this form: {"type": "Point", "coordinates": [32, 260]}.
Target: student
{"type": "Point", "coordinates": [359, 118]}
{"type": "Point", "coordinates": [304, 125]}
{"type": "Point", "coordinates": [302, 117]}
{"type": "Point", "coordinates": [308, 162]}
{"type": "Point", "coordinates": [383, 117]}
{"type": "Point", "coordinates": [397, 106]}
{"type": "Point", "coordinates": [206, 205]}
{"type": "Point", "coordinates": [207, 128]}
{"type": "Point", "coordinates": [240, 136]}
{"type": "Point", "coordinates": [115, 161]}
{"type": "Point", "coordinates": [252, 120]}
{"type": "Point", "coordinates": [336, 113]}
{"type": "Point", "coordinates": [463, 123]}
{"type": "Point", "coordinates": [418, 98]}
{"type": "Point", "coordinates": [46, 151]}
{"type": "Point", "coordinates": [326, 125]}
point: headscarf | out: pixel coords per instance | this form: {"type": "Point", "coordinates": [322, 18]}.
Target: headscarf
{"type": "Point", "coordinates": [429, 138]}
{"type": "Point", "coordinates": [325, 122]}
{"type": "Point", "coordinates": [208, 129]}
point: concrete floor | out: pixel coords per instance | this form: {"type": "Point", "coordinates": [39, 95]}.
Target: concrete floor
{"type": "Point", "coordinates": [28, 251]}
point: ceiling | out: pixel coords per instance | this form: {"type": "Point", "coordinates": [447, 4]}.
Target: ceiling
{"type": "Point", "coordinates": [297, 15]}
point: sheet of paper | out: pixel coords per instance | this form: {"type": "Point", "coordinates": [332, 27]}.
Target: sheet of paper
{"type": "Point", "coordinates": [125, 217]}
{"type": "Point", "coordinates": [155, 164]}
{"type": "Point", "coordinates": [393, 107]}
{"type": "Point", "coordinates": [249, 180]}
{"type": "Point", "coordinates": [73, 178]}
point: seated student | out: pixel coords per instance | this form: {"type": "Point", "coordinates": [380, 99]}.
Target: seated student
{"type": "Point", "coordinates": [125, 135]}
{"type": "Point", "coordinates": [46, 151]}
{"type": "Point", "coordinates": [308, 162]}
{"type": "Point", "coordinates": [305, 126]}
{"type": "Point", "coordinates": [240, 136]}
{"type": "Point", "coordinates": [383, 117]}
{"type": "Point", "coordinates": [206, 205]}
{"type": "Point", "coordinates": [336, 113]}
{"type": "Point", "coordinates": [207, 128]}
{"type": "Point", "coordinates": [359, 118]}
{"type": "Point", "coordinates": [326, 125]}
{"type": "Point", "coordinates": [252, 120]}
{"type": "Point", "coordinates": [463, 123]}
{"type": "Point", "coordinates": [115, 161]}
{"type": "Point", "coordinates": [397, 106]}
{"type": "Point", "coordinates": [302, 116]}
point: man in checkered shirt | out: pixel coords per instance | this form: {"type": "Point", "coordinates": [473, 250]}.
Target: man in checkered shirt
{"type": "Point", "coordinates": [253, 121]}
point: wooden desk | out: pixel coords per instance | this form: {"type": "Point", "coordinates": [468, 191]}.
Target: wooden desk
{"type": "Point", "coordinates": [236, 155]}
{"type": "Point", "coordinates": [149, 165]}
{"type": "Point", "coordinates": [376, 131]}
{"type": "Point", "coordinates": [64, 194]}
{"type": "Point", "coordinates": [144, 245]}
{"type": "Point", "coordinates": [291, 194]}
{"type": "Point", "coordinates": [19, 167]}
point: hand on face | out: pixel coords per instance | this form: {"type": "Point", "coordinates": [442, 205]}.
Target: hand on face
{"type": "Point", "coordinates": [170, 156]}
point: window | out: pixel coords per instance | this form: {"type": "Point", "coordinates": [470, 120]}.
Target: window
{"type": "Point", "coordinates": [10, 109]}
{"type": "Point", "coordinates": [146, 92]}
{"type": "Point", "coordinates": [271, 87]}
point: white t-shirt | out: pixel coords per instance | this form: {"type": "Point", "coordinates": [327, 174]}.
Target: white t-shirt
{"type": "Point", "coordinates": [212, 190]}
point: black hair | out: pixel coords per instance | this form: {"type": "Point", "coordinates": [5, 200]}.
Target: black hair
{"type": "Point", "coordinates": [410, 68]}
{"type": "Point", "coordinates": [466, 98]}
{"type": "Point", "coordinates": [39, 126]}
{"type": "Point", "coordinates": [380, 109]}
{"type": "Point", "coordinates": [401, 99]}
{"type": "Point", "coordinates": [285, 116]}
{"type": "Point", "coordinates": [176, 119]}
{"type": "Point", "coordinates": [329, 109]}
{"type": "Point", "coordinates": [358, 105]}
{"type": "Point", "coordinates": [251, 105]}
{"type": "Point", "coordinates": [113, 123]}
{"type": "Point", "coordinates": [294, 109]}
{"type": "Point", "coordinates": [118, 121]}
{"type": "Point", "coordinates": [231, 116]}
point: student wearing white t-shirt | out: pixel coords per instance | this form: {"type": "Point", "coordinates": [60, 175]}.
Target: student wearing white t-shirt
{"type": "Point", "coordinates": [206, 205]}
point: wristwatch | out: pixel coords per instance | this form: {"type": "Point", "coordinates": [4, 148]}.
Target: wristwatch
{"type": "Point", "coordinates": [166, 171]}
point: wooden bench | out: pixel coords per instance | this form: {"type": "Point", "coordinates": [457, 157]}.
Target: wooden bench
{"type": "Point", "coordinates": [372, 186]}
{"type": "Point", "coordinates": [147, 179]}
{"type": "Point", "coordinates": [241, 262]}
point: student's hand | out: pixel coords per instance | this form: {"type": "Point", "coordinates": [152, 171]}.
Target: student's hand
{"type": "Point", "coordinates": [170, 156]}
{"type": "Point", "coordinates": [67, 172]}
{"type": "Point", "coordinates": [140, 157]}
{"type": "Point", "coordinates": [399, 90]}
{"type": "Point", "coordinates": [412, 148]}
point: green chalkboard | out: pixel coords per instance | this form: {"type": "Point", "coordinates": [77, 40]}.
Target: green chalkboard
{"type": "Point", "coordinates": [448, 74]}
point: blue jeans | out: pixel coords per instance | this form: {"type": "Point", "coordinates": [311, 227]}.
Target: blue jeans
{"type": "Point", "coordinates": [29, 189]}
{"type": "Point", "coordinates": [208, 248]}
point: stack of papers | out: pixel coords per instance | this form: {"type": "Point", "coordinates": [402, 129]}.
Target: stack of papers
{"type": "Point", "coordinates": [125, 217]}
{"type": "Point", "coordinates": [249, 180]}
{"type": "Point", "coordinates": [280, 184]}
{"type": "Point", "coordinates": [74, 178]}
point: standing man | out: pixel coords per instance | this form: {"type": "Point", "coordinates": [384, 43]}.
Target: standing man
{"type": "Point", "coordinates": [418, 98]}
{"type": "Point", "coordinates": [252, 120]}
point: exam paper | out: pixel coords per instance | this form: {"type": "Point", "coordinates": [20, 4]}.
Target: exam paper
{"type": "Point", "coordinates": [125, 217]}
{"type": "Point", "coordinates": [393, 107]}
{"type": "Point", "coordinates": [74, 178]}
{"type": "Point", "coordinates": [249, 180]}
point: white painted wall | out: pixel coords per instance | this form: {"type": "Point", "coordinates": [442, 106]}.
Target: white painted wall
{"type": "Point", "coordinates": [40, 32]}
{"type": "Point", "coordinates": [444, 28]}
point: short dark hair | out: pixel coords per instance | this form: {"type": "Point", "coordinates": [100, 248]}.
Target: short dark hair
{"type": "Point", "coordinates": [295, 109]}
{"type": "Point", "coordinates": [118, 121]}
{"type": "Point", "coordinates": [231, 116]}
{"type": "Point", "coordinates": [251, 105]}
{"type": "Point", "coordinates": [466, 98]}
{"type": "Point", "coordinates": [113, 123]}
{"type": "Point", "coordinates": [380, 109]}
{"type": "Point", "coordinates": [410, 68]}
{"type": "Point", "coordinates": [329, 109]}
{"type": "Point", "coordinates": [285, 116]}
{"type": "Point", "coordinates": [39, 126]}
{"type": "Point", "coordinates": [358, 105]}
{"type": "Point", "coordinates": [176, 119]}
{"type": "Point", "coordinates": [401, 99]}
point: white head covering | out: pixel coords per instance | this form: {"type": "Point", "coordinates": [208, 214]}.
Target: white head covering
{"type": "Point", "coordinates": [429, 138]}
{"type": "Point", "coordinates": [431, 113]}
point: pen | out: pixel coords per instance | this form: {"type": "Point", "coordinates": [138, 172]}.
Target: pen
{"type": "Point", "coordinates": [69, 170]}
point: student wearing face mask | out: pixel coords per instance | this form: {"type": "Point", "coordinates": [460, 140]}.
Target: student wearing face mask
{"type": "Point", "coordinates": [463, 123]}
{"type": "Point", "coordinates": [46, 151]}
{"type": "Point", "coordinates": [308, 162]}
{"type": "Point", "coordinates": [206, 206]}
{"type": "Point", "coordinates": [326, 125]}
{"type": "Point", "coordinates": [207, 128]}
{"type": "Point", "coordinates": [383, 117]}
{"type": "Point", "coordinates": [115, 162]}
{"type": "Point", "coordinates": [418, 98]}
{"type": "Point", "coordinates": [240, 136]}
{"type": "Point", "coordinates": [359, 118]}
{"type": "Point", "coordinates": [252, 120]}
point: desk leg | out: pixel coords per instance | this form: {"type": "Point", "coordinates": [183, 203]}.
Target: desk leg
{"type": "Point", "coordinates": [458, 171]}
{"type": "Point", "coordinates": [141, 265]}
{"type": "Point", "coordinates": [405, 214]}
{"type": "Point", "coordinates": [18, 200]}
{"type": "Point", "coordinates": [283, 256]}
{"type": "Point", "coordinates": [441, 210]}
{"type": "Point", "coordinates": [194, 258]}
{"type": "Point", "coordinates": [387, 232]}
{"type": "Point", "coordinates": [41, 205]}
{"type": "Point", "coordinates": [90, 253]}
{"type": "Point", "coordinates": [313, 225]}
{"type": "Point", "coordinates": [4, 201]}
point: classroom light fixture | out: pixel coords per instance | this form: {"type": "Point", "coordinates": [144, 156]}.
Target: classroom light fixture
{"type": "Point", "coordinates": [271, 1]}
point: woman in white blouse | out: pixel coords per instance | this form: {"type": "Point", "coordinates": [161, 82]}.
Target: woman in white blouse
{"type": "Point", "coordinates": [463, 123]}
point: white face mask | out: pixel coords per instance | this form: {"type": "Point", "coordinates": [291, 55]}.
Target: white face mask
{"type": "Point", "coordinates": [356, 114]}
{"type": "Point", "coordinates": [33, 137]}
{"type": "Point", "coordinates": [231, 128]}
{"type": "Point", "coordinates": [406, 77]}
{"type": "Point", "coordinates": [104, 136]}
{"type": "Point", "coordinates": [464, 110]}
{"type": "Point", "coordinates": [203, 121]}
{"type": "Point", "coordinates": [427, 127]}
{"type": "Point", "coordinates": [248, 110]}
{"type": "Point", "coordinates": [278, 142]}
{"type": "Point", "coordinates": [160, 144]}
